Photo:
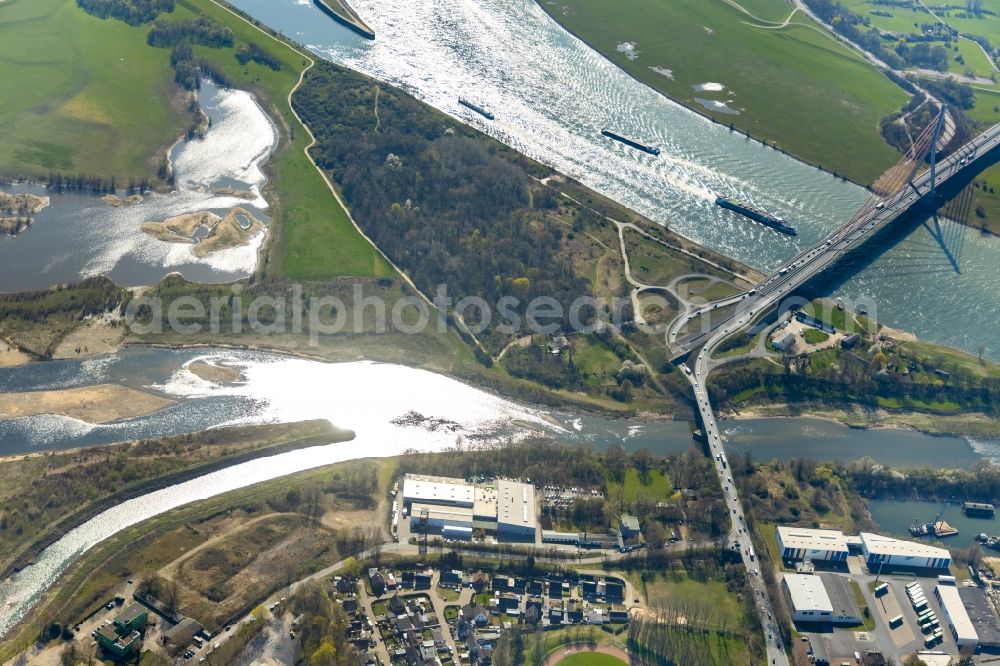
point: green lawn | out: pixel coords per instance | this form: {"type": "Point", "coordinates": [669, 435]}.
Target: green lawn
{"type": "Point", "coordinates": [82, 95]}
{"type": "Point", "coordinates": [814, 336]}
{"type": "Point", "coordinates": [590, 659]}
{"type": "Point", "coordinates": [795, 86]}
{"type": "Point", "coordinates": [656, 488]}
{"type": "Point", "coordinates": [672, 589]}
{"type": "Point", "coordinates": [975, 61]}
{"type": "Point", "coordinates": [867, 619]}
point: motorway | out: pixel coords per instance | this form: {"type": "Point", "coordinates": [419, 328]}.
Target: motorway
{"type": "Point", "coordinates": [814, 260]}
{"type": "Point", "coordinates": [753, 303]}
{"type": "Point", "coordinates": [738, 534]}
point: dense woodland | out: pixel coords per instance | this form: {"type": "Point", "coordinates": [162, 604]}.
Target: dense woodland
{"type": "Point", "coordinates": [252, 52]}
{"type": "Point", "coordinates": [202, 30]}
{"type": "Point", "coordinates": [981, 483]}
{"type": "Point", "coordinates": [322, 627]}
{"type": "Point", "coordinates": [133, 12]}
{"type": "Point", "coordinates": [444, 202]}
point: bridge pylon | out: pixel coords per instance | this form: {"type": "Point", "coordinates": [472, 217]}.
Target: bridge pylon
{"type": "Point", "coordinates": [933, 150]}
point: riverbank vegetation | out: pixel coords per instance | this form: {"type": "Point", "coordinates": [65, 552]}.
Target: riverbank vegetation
{"type": "Point", "coordinates": [43, 495]}
{"type": "Point", "coordinates": [882, 373]}
{"type": "Point", "coordinates": [87, 95]}
{"type": "Point", "coordinates": [37, 321]}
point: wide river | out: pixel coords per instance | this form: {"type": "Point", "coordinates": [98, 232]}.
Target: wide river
{"type": "Point", "coordinates": [552, 95]}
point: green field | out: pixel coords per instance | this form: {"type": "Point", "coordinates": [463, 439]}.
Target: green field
{"type": "Point", "coordinates": [85, 95]}
{"type": "Point", "coordinates": [82, 95]}
{"type": "Point", "coordinates": [795, 86]}
{"type": "Point", "coordinates": [902, 19]}
{"type": "Point", "coordinates": [655, 488]}
{"type": "Point", "coordinates": [590, 659]}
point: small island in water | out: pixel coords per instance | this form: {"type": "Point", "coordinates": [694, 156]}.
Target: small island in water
{"type": "Point", "coordinates": [16, 211]}
{"type": "Point", "coordinates": [236, 229]}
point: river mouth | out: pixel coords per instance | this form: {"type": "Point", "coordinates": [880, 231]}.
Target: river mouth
{"type": "Point", "coordinates": [257, 388]}
{"type": "Point", "coordinates": [79, 235]}
{"type": "Point", "coordinates": [390, 408]}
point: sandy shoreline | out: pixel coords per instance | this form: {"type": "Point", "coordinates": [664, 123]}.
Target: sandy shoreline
{"type": "Point", "coordinates": [11, 356]}
{"type": "Point", "coordinates": [101, 403]}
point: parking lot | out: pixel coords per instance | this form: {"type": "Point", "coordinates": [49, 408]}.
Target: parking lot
{"type": "Point", "coordinates": [841, 644]}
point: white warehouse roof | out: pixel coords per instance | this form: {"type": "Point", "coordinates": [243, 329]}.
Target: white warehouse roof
{"type": "Point", "coordinates": [437, 490]}
{"type": "Point", "coordinates": [516, 504]}
{"type": "Point", "coordinates": [808, 593]}
{"type": "Point", "coordinates": [957, 616]}
{"type": "Point", "coordinates": [809, 539]}
{"type": "Point", "coordinates": [882, 545]}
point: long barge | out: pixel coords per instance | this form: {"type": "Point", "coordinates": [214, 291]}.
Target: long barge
{"type": "Point", "coordinates": [485, 113]}
{"type": "Point", "coordinates": [977, 509]}
{"type": "Point", "coordinates": [776, 223]}
{"type": "Point", "coordinates": [638, 145]}
{"type": "Point", "coordinates": [347, 17]}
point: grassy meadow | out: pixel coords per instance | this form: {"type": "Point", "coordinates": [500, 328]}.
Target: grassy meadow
{"type": "Point", "coordinates": [82, 95]}
{"type": "Point", "coordinates": [794, 86]}
{"type": "Point", "coordinates": [314, 238]}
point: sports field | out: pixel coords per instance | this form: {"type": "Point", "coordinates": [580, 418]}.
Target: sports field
{"type": "Point", "coordinates": [794, 84]}
{"type": "Point", "coordinates": [590, 659]}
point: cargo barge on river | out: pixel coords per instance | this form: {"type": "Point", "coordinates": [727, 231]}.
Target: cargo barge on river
{"type": "Point", "coordinates": [485, 113]}
{"type": "Point", "coordinates": [768, 220]}
{"type": "Point", "coordinates": [638, 145]}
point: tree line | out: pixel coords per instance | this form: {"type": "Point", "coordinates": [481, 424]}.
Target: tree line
{"type": "Point", "coordinates": [201, 30]}
{"type": "Point", "coordinates": [859, 30]}
{"type": "Point", "coordinates": [840, 377]}
{"type": "Point", "coordinates": [133, 12]}
{"type": "Point", "coordinates": [251, 52]}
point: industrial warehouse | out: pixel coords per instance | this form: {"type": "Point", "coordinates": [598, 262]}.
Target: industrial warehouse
{"type": "Point", "coordinates": [955, 614]}
{"type": "Point", "coordinates": [456, 508]}
{"type": "Point", "coordinates": [797, 543]}
{"type": "Point", "coordinates": [821, 599]}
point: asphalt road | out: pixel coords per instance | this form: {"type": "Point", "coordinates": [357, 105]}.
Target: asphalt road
{"type": "Point", "coordinates": [738, 533]}
{"type": "Point", "coordinates": [768, 293]}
